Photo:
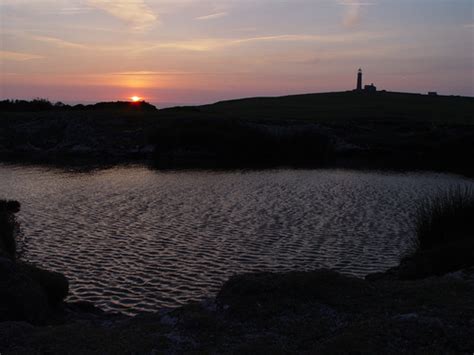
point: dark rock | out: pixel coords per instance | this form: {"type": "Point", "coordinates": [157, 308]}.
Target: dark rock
{"type": "Point", "coordinates": [390, 274]}
{"type": "Point", "coordinates": [7, 227]}
{"type": "Point", "coordinates": [251, 292]}
{"type": "Point", "coordinates": [10, 206]}
{"type": "Point", "coordinates": [303, 312]}
{"type": "Point", "coordinates": [29, 293]}
{"type": "Point", "coordinates": [14, 332]}
{"type": "Point", "coordinates": [21, 298]}
{"type": "Point", "coordinates": [86, 311]}
{"type": "Point", "coordinates": [390, 336]}
{"type": "Point", "coordinates": [54, 284]}
{"type": "Point", "coordinates": [84, 307]}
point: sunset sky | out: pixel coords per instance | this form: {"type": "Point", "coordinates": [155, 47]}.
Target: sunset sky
{"type": "Point", "coordinates": [199, 51]}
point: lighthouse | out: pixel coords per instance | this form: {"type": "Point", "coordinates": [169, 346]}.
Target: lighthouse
{"type": "Point", "coordinates": [359, 80]}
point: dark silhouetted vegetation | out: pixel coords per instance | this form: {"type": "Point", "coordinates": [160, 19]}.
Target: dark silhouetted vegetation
{"type": "Point", "coordinates": [233, 143]}
{"type": "Point", "coordinates": [444, 237]}
{"type": "Point", "coordinates": [24, 105]}
{"type": "Point", "coordinates": [7, 226]}
{"type": "Point", "coordinates": [45, 105]}
{"type": "Point", "coordinates": [446, 218]}
{"type": "Point", "coordinates": [121, 106]}
{"type": "Point", "coordinates": [341, 129]}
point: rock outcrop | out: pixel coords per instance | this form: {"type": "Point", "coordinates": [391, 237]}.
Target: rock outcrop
{"type": "Point", "coordinates": [299, 312]}
{"type": "Point", "coordinates": [28, 293]}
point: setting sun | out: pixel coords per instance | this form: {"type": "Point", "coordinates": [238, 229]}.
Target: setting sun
{"type": "Point", "coordinates": [136, 98]}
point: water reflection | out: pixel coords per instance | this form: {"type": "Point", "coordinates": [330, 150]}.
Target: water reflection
{"type": "Point", "coordinates": [131, 239]}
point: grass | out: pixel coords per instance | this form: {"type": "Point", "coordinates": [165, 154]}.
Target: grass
{"type": "Point", "coordinates": [444, 236]}
{"type": "Point", "coordinates": [7, 226]}
{"type": "Point", "coordinates": [446, 219]}
{"type": "Point", "coordinates": [343, 107]}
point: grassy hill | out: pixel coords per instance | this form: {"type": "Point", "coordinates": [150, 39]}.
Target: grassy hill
{"type": "Point", "coordinates": [351, 106]}
{"type": "Point", "coordinates": [357, 128]}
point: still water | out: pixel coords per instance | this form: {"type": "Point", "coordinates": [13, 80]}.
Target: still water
{"type": "Point", "coordinates": [130, 239]}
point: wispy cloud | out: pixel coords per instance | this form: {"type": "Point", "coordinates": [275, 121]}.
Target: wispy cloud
{"type": "Point", "coordinates": [212, 16]}
{"type": "Point", "coordinates": [197, 45]}
{"type": "Point", "coordinates": [217, 43]}
{"type": "Point", "coordinates": [150, 73]}
{"type": "Point", "coordinates": [469, 25]}
{"type": "Point", "coordinates": [134, 12]}
{"type": "Point", "coordinates": [352, 16]}
{"type": "Point", "coordinates": [334, 38]}
{"type": "Point", "coordinates": [74, 10]}
{"type": "Point", "coordinates": [58, 42]}
{"type": "Point", "coordinates": [17, 56]}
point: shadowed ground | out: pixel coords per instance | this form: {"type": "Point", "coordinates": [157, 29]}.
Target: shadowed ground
{"type": "Point", "coordinates": [319, 311]}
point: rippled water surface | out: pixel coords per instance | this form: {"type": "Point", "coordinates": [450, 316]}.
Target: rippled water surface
{"type": "Point", "coordinates": [131, 239]}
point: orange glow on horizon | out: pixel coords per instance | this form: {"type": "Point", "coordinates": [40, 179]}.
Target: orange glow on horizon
{"type": "Point", "coordinates": [136, 98]}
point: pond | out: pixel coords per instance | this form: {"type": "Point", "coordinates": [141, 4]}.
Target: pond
{"type": "Point", "coordinates": [132, 239]}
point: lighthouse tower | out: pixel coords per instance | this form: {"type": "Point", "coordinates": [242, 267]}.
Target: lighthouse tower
{"type": "Point", "coordinates": [359, 80]}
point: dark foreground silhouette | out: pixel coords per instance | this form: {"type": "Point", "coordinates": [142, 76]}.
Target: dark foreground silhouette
{"type": "Point", "coordinates": [348, 129]}
{"type": "Point", "coordinates": [425, 305]}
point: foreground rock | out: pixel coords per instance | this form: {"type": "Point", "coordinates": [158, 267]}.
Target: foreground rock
{"type": "Point", "coordinates": [299, 312]}
{"type": "Point", "coordinates": [27, 293]}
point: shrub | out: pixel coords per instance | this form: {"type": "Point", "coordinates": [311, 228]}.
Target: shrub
{"type": "Point", "coordinates": [446, 218]}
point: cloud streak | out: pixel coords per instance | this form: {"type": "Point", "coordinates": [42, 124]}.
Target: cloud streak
{"type": "Point", "coordinates": [134, 12]}
{"type": "Point", "coordinates": [17, 56]}
{"type": "Point", "coordinates": [150, 73]}
{"type": "Point", "coordinates": [334, 38]}
{"type": "Point", "coordinates": [58, 42]}
{"type": "Point", "coordinates": [209, 44]}
{"type": "Point", "coordinates": [74, 10]}
{"type": "Point", "coordinates": [212, 16]}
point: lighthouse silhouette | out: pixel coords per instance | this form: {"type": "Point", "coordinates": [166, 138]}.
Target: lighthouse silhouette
{"type": "Point", "coordinates": [359, 80]}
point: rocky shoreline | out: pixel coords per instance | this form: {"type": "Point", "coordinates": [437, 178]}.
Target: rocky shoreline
{"type": "Point", "coordinates": [421, 310]}
{"type": "Point", "coordinates": [300, 312]}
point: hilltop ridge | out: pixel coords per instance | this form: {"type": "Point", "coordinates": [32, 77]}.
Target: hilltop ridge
{"type": "Point", "coordinates": [345, 105]}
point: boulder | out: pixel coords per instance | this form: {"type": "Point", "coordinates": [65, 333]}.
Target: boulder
{"type": "Point", "coordinates": [14, 332]}
{"type": "Point", "coordinates": [250, 293]}
{"type": "Point", "coordinates": [7, 227]}
{"type": "Point", "coordinates": [29, 293]}
{"type": "Point", "coordinates": [21, 298]}
{"type": "Point", "coordinates": [54, 284]}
